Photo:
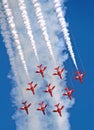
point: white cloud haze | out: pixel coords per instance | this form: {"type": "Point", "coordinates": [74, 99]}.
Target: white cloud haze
{"type": "Point", "coordinates": [26, 26]}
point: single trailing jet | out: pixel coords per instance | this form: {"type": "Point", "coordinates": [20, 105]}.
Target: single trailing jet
{"type": "Point", "coordinates": [79, 76]}
{"type": "Point", "coordinates": [50, 89]}
{"type": "Point", "coordinates": [59, 72]}
{"type": "Point", "coordinates": [68, 93]}
{"type": "Point", "coordinates": [59, 109]}
{"type": "Point", "coordinates": [41, 70]}
{"type": "Point", "coordinates": [25, 107]}
{"type": "Point", "coordinates": [42, 107]}
{"type": "Point", "coordinates": [32, 87]}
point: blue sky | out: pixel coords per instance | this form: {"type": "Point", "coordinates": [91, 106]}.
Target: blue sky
{"type": "Point", "coordinates": [6, 109]}
{"type": "Point", "coordinates": [80, 16]}
{"type": "Point", "coordinates": [81, 20]}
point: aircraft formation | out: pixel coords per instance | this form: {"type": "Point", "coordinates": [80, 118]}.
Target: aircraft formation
{"type": "Point", "coordinates": [68, 92]}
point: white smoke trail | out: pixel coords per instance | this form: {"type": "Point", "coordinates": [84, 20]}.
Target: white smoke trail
{"type": "Point", "coordinates": [37, 121]}
{"type": "Point", "coordinates": [63, 24]}
{"type": "Point", "coordinates": [7, 36]}
{"type": "Point", "coordinates": [43, 27]}
{"type": "Point", "coordinates": [8, 44]}
{"type": "Point", "coordinates": [27, 25]}
{"type": "Point", "coordinates": [15, 34]}
{"type": "Point", "coordinates": [18, 94]}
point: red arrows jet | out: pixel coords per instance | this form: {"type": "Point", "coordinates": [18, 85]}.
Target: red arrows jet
{"type": "Point", "coordinates": [68, 93]}
{"type": "Point", "coordinates": [32, 87]}
{"type": "Point", "coordinates": [79, 76]}
{"type": "Point", "coordinates": [25, 107]}
{"type": "Point", "coordinates": [59, 72]}
{"type": "Point", "coordinates": [58, 109]}
{"type": "Point", "coordinates": [49, 89]}
{"type": "Point", "coordinates": [41, 71]}
{"type": "Point", "coordinates": [42, 107]}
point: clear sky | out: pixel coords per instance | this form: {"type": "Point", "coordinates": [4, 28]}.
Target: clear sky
{"type": "Point", "coordinates": [80, 15]}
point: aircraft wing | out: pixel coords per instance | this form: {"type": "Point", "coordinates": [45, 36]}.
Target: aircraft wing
{"type": "Point", "coordinates": [46, 105]}
{"type": "Point", "coordinates": [82, 75]}
{"type": "Point", "coordinates": [22, 108]}
{"type": "Point", "coordinates": [62, 107]}
{"type": "Point", "coordinates": [29, 105]}
{"type": "Point", "coordinates": [72, 91]}
{"type": "Point", "coordinates": [76, 77]}
{"type": "Point", "coordinates": [37, 71]}
{"type": "Point", "coordinates": [46, 91]}
{"type": "Point", "coordinates": [45, 68]}
{"type": "Point", "coordinates": [35, 85]}
{"type": "Point", "coordinates": [38, 109]}
{"type": "Point", "coordinates": [55, 111]}
{"type": "Point", "coordinates": [62, 70]}
{"type": "Point", "coordinates": [65, 94]}
{"type": "Point", "coordinates": [53, 87]}
{"type": "Point", "coordinates": [55, 74]}
{"type": "Point", "coordinates": [27, 88]}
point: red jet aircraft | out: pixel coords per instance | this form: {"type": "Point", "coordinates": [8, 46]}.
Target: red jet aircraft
{"type": "Point", "coordinates": [59, 72]}
{"type": "Point", "coordinates": [42, 107]}
{"type": "Point", "coordinates": [79, 76]}
{"type": "Point", "coordinates": [58, 109]}
{"type": "Point", "coordinates": [25, 107]}
{"type": "Point", "coordinates": [41, 71]}
{"type": "Point", "coordinates": [68, 93]}
{"type": "Point", "coordinates": [32, 87]}
{"type": "Point", "coordinates": [49, 89]}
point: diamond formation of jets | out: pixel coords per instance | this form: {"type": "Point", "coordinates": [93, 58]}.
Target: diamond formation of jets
{"type": "Point", "coordinates": [59, 72]}
{"type": "Point", "coordinates": [25, 107]}
{"type": "Point", "coordinates": [68, 93]}
{"type": "Point", "coordinates": [49, 89]}
{"type": "Point", "coordinates": [58, 109]}
{"type": "Point", "coordinates": [79, 76]}
{"type": "Point", "coordinates": [42, 107]}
